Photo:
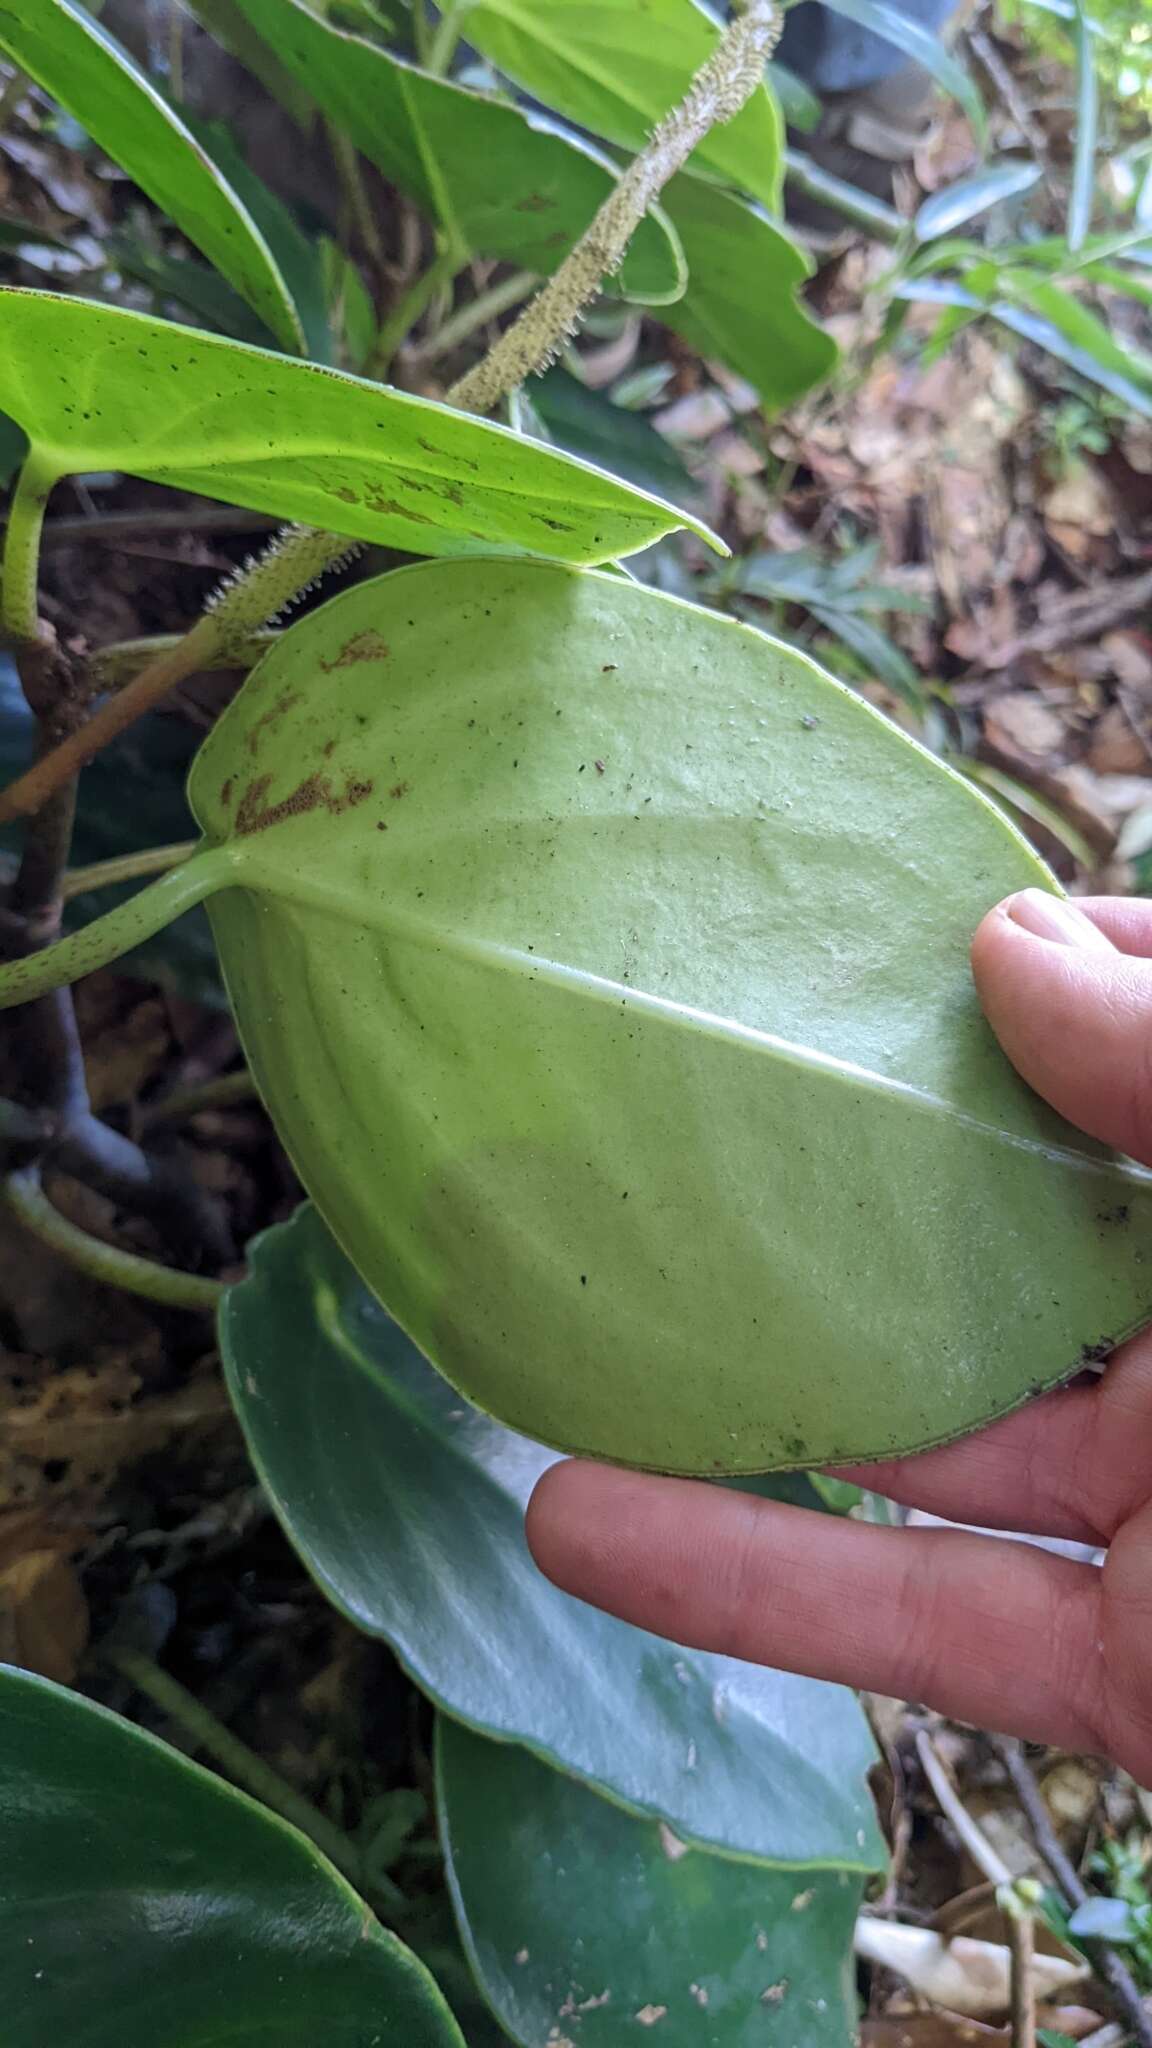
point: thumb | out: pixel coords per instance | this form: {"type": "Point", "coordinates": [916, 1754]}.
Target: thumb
{"type": "Point", "coordinates": [1067, 988]}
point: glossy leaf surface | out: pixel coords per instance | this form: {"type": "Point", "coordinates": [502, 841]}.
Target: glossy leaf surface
{"type": "Point", "coordinates": [502, 181]}
{"type": "Point", "coordinates": [82, 66]}
{"type": "Point", "coordinates": [605, 967]}
{"type": "Point", "coordinates": [741, 304]}
{"type": "Point", "coordinates": [408, 1507]}
{"type": "Point", "coordinates": [146, 1902]}
{"type": "Point", "coordinates": [617, 70]}
{"type": "Point", "coordinates": [583, 1922]}
{"type": "Point", "coordinates": [96, 388]}
{"type": "Point", "coordinates": [947, 210]}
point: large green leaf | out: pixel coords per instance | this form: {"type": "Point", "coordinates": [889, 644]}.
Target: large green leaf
{"type": "Point", "coordinates": [145, 1904]}
{"type": "Point", "coordinates": [616, 69]}
{"type": "Point", "coordinates": [97, 388]}
{"type": "Point", "coordinates": [83, 67]}
{"type": "Point", "coordinates": [743, 274]}
{"type": "Point", "coordinates": [408, 1508]}
{"type": "Point", "coordinates": [503, 182]}
{"type": "Point", "coordinates": [587, 1925]}
{"type": "Point", "coordinates": [605, 967]}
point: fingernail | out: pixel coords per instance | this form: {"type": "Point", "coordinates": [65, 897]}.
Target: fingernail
{"type": "Point", "coordinates": [1055, 918]}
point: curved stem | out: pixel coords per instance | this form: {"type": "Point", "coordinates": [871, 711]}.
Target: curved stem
{"type": "Point", "coordinates": [24, 1198]}
{"type": "Point", "coordinates": [222, 1092]}
{"type": "Point", "coordinates": [297, 556]}
{"type": "Point", "coordinates": [488, 305]}
{"type": "Point", "coordinates": [118, 930]}
{"type": "Point", "coordinates": [445, 37]}
{"type": "Point", "coordinates": [19, 575]}
{"type": "Point", "coordinates": [126, 867]}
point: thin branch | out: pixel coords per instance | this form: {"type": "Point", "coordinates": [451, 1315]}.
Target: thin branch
{"type": "Point", "coordinates": [975, 1841]}
{"type": "Point", "coordinates": [487, 305]}
{"type": "Point", "coordinates": [719, 90]}
{"type": "Point", "coordinates": [1108, 1964]}
{"type": "Point", "coordinates": [1015, 1909]}
{"type": "Point", "coordinates": [877, 219]}
{"type": "Point", "coordinates": [295, 559]}
{"type": "Point", "coordinates": [22, 1195]}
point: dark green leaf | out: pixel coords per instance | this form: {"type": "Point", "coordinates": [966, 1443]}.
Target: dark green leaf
{"type": "Point", "coordinates": [13, 448]}
{"type": "Point", "coordinates": [296, 254]}
{"type": "Point", "coordinates": [879, 653]}
{"type": "Point", "coordinates": [1081, 196]}
{"type": "Point", "coordinates": [306, 443]}
{"type": "Point", "coordinates": [146, 1904]}
{"type": "Point", "coordinates": [741, 304]}
{"type": "Point", "coordinates": [407, 1505]}
{"type": "Point", "coordinates": [80, 64]}
{"type": "Point", "coordinates": [179, 281]}
{"type": "Point", "coordinates": [913, 40]}
{"type": "Point", "coordinates": [617, 69]}
{"type": "Point", "coordinates": [501, 181]}
{"type": "Point", "coordinates": [584, 1923]}
{"type": "Point", "coordinates": [588, 424]}
{"type": "Point", "coordinates": [948, 209]}
{"type": "Point", "coordinates": [225, 19]}
{"type": "Point", "coordinates": [1079, 327]}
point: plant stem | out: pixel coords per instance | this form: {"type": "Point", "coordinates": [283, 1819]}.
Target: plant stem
{"type": "Point", "coordinates": [244, 1766]}
{"type": "Point", "coordinates": [974, 1839]}
{"type": "Point", "coordinates": [183, 1103]}
{"type": "Point", "coordinates": [1108, 1965]}
{"type": "Point", "coordinates": [22, 1195]}
{"type": "Point", "coordinates": [14, 90]}
{"type": "Point", "coordinates": [19, 575]}
{"type": "Point", "coordinates": [362, 218]}
{"type": "Point", "coordinates": [1021, 1927]}
{"type": "Point", "coordinates": [487, 305]}
{"type": "Point", "coordinates": [882, 222]}
{"type": "Point", "coordinates": [720, 88]}
{"type": "Point", "coordinates": [445, 37]}
{"type": "Point", "coordinates": [116, 664]}
{"type": "Point", "coordinates": [295, 558]}
{"type": "Point", "coordinates": [410, 305]}
{"type": "Point", "coordinates": [129, 924]}
{"type": "Point", "coordinates": [126, 867]}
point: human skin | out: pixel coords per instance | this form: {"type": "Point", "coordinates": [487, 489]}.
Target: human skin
{"type": "Point", "coordinates": [1008, 1636]}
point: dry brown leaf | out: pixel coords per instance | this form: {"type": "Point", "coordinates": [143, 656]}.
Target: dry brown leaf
{"type": "Point", "coordinates": [1116, 748]}
{"type": "Point", "coordinates": [1028, 732]}
{"type": "Point", "coordinates": [928, 2030]}
{"type": "Point", "coordinates": [965, 1976]}
{"type": "Point", "coordinates": [43, 1615]}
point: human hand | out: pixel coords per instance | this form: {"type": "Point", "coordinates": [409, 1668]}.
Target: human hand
{"type": "Point", "coordinates": [1005, 1635]}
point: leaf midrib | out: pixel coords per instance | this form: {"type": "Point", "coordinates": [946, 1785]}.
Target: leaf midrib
{"type": "Point", "coordinates": [308, 892]}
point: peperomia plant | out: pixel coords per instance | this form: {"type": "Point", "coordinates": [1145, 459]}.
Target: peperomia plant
{"type": "Point", "coordinates": [602, 965]}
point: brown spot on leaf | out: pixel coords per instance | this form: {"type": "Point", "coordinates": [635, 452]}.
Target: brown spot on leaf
{"type": "Point", "coordinates": [399, 789]}
{"type": "Point", "coordinates": [347, 495]}
{"type": "Point", "coordinates": [226, 791]}
{"type": "Point", "coordinates": [315, 793]}
{"type": "Point", "coordinates": [536, 202]}
{"type": "Point", "coordinates": [365, 646]}
{"type": "Point", "coordinates": [271, 718]}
